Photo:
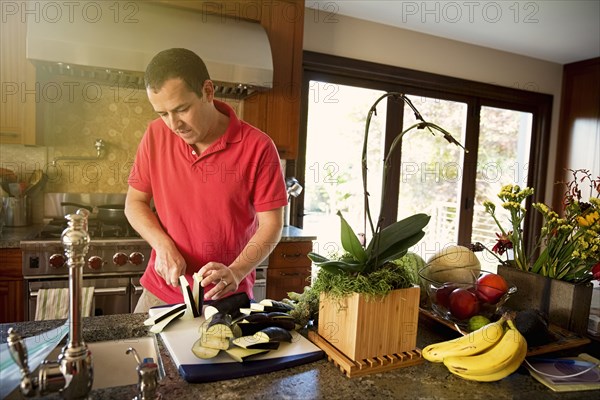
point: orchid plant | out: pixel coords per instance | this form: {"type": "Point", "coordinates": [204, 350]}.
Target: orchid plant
{"type": "Point", "coordinates": [387, 243]}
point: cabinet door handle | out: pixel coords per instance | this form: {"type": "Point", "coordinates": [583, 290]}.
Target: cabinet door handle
{"type": "Point", "coordinates": [290, 273]}
{"type": "Point", "coordinates": [295, 255]}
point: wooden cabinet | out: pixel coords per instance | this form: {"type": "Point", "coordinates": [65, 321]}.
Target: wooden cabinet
{"type": "Point", "coordinates": [277, 112]}
{"type": "Point", "coordinates": [289, 269]}
{"type": "Point", "coordinates": [17, 84]}
{"type": "Point", "coordinates": [11, 286]}
{"type": "Point", "coordinates": [579, 125]}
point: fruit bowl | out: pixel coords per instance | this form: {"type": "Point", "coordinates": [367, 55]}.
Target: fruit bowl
{"type": "Point", "coordinates": [478, 293]}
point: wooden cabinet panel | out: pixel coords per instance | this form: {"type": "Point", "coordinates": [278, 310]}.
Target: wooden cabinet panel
{"type": "Point", "coordinates": [11, 286]}
{"type": "Point", "coordinates": [17, 80]}
{"type": "Point", "coordinates": [289, 269]}
{"type": "Point", "coordinates": [11, 298]}
{"type": "Point", "coordinates": [280, 281]}
{"type": "Point", "coordinates": [290, 255]}
{"type": "Point", "coordinates": [277, 112]}
{"type": "Point", "coordinates": [579, 125]}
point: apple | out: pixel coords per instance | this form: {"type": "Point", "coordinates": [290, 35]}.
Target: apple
{"type": "Point", "coordinates": [442, 294]}
{"type": "Point", "coordinates": [491, 288]}
{"type": "Point", "coordinates": [463, 303]}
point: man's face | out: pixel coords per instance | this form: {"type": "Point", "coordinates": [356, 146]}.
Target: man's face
{"type": "Point", "coordinates": [186, 114]}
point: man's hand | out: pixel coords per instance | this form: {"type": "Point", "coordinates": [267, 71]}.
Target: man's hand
{"type": "Point", "coordinates": [169, 264]}
{"type": "Point", "coordinates": [222, 277]}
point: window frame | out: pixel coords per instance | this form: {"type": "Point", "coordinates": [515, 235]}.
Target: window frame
{"type": "Point", "coordinates": [346, 71]}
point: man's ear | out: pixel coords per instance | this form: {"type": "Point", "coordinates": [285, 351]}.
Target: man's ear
{"type": "Point", "coordinates": [209, 90]}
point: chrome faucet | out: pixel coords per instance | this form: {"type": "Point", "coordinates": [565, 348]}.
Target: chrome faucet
{"type": "Point", "coordinates": [98, 144]}
{"type": "Point", "coordinates": [72, 374]}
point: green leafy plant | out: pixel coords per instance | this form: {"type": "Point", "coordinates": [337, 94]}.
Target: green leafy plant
{"type": "Point", "coordinates": [370, 269]}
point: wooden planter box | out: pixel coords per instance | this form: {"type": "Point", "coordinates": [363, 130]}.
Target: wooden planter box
{"type": "Point", "coordinates": [566, 304]}
{"type": "Point", "coordinates": [366, 329]}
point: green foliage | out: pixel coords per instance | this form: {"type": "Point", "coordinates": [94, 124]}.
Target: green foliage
{"type": "Point", "coordinates": [374, 285]}
{"type": "Point", "coordinates": [387, 245]}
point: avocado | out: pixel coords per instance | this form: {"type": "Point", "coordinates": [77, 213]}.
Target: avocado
{"type": "Point", "coordinates": [533, 325]}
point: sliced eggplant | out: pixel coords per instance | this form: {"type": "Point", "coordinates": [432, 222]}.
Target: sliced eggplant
{"type": "Point", "coordinates": [203, 352]}
{"type": "Point", "coordinates": [165, 314]}
{"type": "Point", "coordinates": [218, 325]}
{"type": "Point", "coordinates": [279, 314]}
{"type": "Point", "coordinates": [157, 328]}
{"type": "Point", "coordinates": [249, 342]}
{"type": "Point", "coordinates": [198, 292]}
{"type": "Point", "coordinates": [191, 310]}
{"type": "Point", "coordinates": [273, 334]}
{"type": "Point", "coordinates": [240, 354]}
{"type": "Point", "coordinates": [254, 318]}
{"type": "Point", "coordinates": [229, 305]}
{"type": "Point", "coordinates": [268, 305]}
{"type": "Point", "coordinates": [250, 328]}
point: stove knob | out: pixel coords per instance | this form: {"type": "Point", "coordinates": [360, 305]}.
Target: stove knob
{"type": "Point", "coordinates": [120, 259]}
{"type": "Point", "coordinates": [56, 260]}
{"type": "Point", "coordinates": [95, 263]}
{"type": "Point", "coordinates": [136, 258]}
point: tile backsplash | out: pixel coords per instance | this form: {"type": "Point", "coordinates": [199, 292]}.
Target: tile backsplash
{"type": "Point", "coordinates": [72, 114]}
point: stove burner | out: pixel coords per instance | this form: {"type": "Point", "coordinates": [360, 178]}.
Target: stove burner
{"type": "Point", "coordinates": [96, 229]}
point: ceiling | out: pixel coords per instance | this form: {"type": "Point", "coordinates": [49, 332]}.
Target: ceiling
{"type": "Point", "coordinates": [551, 30]}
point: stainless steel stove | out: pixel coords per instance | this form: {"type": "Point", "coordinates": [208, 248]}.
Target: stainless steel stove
{"type": "Point", "coordinates": [116, 259]}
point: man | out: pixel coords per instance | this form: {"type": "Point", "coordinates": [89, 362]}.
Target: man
{"type": "Point", "coordinates": [216, 183]}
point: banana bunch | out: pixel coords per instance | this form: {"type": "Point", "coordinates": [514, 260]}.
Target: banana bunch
{"type": "Point", "coordinates": [485, 355]}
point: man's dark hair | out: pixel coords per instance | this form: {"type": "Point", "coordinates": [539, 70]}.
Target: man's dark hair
{"type": "Point", "coordinates": [176, 63]}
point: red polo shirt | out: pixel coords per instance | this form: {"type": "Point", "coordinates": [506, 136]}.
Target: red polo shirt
{"type": "Point", "coordinates": [208, 204]}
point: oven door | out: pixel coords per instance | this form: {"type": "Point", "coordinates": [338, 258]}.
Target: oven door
{"type": "Point", "coordinates": [111, 295]}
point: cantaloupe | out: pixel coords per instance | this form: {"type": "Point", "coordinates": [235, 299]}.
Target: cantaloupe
{"type": "Point", "coordinates": [453, 264]}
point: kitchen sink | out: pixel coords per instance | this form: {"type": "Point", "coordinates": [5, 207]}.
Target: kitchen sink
{"type": "Point", "coordinates": [112, 366]}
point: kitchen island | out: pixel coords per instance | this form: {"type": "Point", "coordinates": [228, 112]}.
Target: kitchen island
{"type": "Point", "coordinates": [317, 380]}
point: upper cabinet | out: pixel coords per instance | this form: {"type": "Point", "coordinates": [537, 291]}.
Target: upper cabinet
{"type": "Point", "coordinates": [276, 112]}
{"type": "Point", "coordinates": [579, 125]}
{"type": "Point", "coordinates": [17, 77]}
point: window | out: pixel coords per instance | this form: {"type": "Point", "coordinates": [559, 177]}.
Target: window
{"type": "Point", "coordinates": [501, 127]}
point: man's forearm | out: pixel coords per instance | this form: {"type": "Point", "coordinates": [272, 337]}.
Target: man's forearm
{"type": "Point", "coordinates": [145, 222]}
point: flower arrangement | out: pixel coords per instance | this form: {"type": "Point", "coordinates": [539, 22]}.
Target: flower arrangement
{"type": "Point", "coordinates": [570, 244]}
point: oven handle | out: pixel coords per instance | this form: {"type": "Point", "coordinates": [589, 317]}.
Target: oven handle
{"type": "Point", "coordinates": [97, 291]}
{"type": "Point", "coordinates": [137, 289]}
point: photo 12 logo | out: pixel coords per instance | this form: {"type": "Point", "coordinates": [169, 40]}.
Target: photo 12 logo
{"type": "Point", "coordinates": [69, 11]}
{"type": "Point", "coordinates": [470, 11]}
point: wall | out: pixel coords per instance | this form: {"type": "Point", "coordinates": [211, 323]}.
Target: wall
{"type": "Point", "coordinates": [353, 38]}
{"type": "Point", "coordinates": [72, 114]}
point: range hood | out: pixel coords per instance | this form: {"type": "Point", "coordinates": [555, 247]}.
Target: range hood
{"type": "Point", "coordinates": [112, 43]}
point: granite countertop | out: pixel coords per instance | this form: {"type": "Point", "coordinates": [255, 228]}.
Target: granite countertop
{"type": "Point", "coordinates": [317, 380]}
{"type": "Point", "coordinates": [293, 234]}
{"type": "Point", "coordinates": [10, 237]}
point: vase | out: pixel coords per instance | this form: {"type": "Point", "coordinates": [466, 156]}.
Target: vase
{"type": "Point", "coordinates": [566, 304]}
{"type": "Point", "coordinates": [363, 328]}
